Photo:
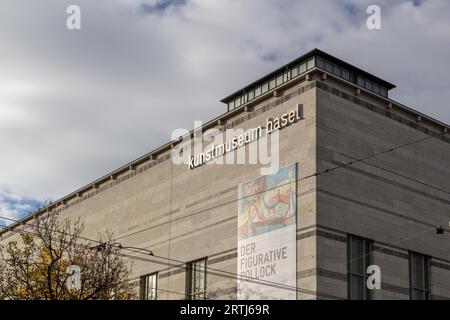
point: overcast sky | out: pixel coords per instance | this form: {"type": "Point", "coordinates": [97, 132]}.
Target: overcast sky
{"type": "Point", "coordinates": [76, 104]}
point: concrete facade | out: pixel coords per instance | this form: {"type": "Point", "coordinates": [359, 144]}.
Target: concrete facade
{"type": "Point", "coordinates": [392, 199]}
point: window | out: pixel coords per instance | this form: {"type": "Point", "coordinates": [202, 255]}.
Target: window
{"type": "Point", "coordinates": [279, 80]}
{"type": "Point", "coordinates": [272, 83]}
{"type": "Point", "coordinates": [376, 88]}
{"type": "Point", "coordinates": [265, 87]}
{"type": "Point", "coordinates": [237, 102]}
{"type": "Point", "coordinates": [294, 72]}
{"type": "Point", "coordinates": [196, 279]}
{"type": "Point", "coordinates": [419, 284]}
{"type": "Point", "coordinates": [345, 74]}
{"type": "Point", "coordinates": [320, 63]}
{"type": "Point", "coordinates": [149, 286]}
{"type": "Point", "coordinates": [310, 63]}
{"type": "Point", "coordinates": [358, 259]}
{"type": "Point", "coordinates": [257, 91]}
{"type": "Point", "coordinates": [337, 70]}
{"type": "Point", "coordinates": [302, 67]}
{"type": "Point", "coordinates": [328, 66]}
{"type": "Point", "coordinates": [361, 81]}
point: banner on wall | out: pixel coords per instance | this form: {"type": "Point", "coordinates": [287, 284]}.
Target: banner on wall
{"type": "Point", "coordinates": [267, 250]}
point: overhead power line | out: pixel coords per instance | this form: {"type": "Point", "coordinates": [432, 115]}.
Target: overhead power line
{"type": "Point", "coordinates": [139, 250]}
{"type": "Point", "coordinates": [323, 172]}
{"type": "Point", "coordinates": [216, 272]}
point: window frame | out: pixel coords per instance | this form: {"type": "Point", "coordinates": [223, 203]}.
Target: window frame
{"type": "Point", "coordinates": [190, 294]}
{"type": "Point", "coordinates": [294, 72]}
{"type": "Point", "coordinates": [145, 289]}
{"type": "Point", "coordinates": [369, 85]}
{"type": "Point", "coordinates": [426, 277]}
{"type": "Point", "coordinates": [237, 102]}
{"type": "Point", "coordinates": [258, 91]}
{"type": "Point", "coordinates": [360, 81]}
{"type": "Point", "coordinates": [265, 87]}
{"type": "Point", "coordinates": [328, 66]}
{"type": "Point", "coordinates": [311, 63]}
{"type": "Point", "coordinates": [320, 62]}
{"type": "Point", "coordinates": [367, 254]}
{"type": "Point", "coordinates": [302, 68]}
{"type": "Point", "coordinates": [337, 70]}
{"type": "Point", "coordinates": [345, 74]}
{"type": "Point", "coordinates": [272, 83]}
{"type": "Point", "coordinates": [279, 80]}
{"type": "Point", "coordinates": [251, 94]}
{"type": "Point", "coordinates": [376, 87]}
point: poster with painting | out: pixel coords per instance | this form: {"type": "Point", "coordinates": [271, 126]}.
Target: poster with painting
{"type": "Point", "coordinates": [267, 208]}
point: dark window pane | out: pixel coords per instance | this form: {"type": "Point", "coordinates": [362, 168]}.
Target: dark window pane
{"type": "Point", "coordinates": [419, 285]}
{"type": "Point", "coordinates": [358, 260]}
{"type": "Point", "coordinates": [360, 81]}
{"type": "Point", "coordinates": [337, 70]}
{"type": "Point", "coordinates": [357, 257]}
{"type": "Point", "coordinates": [320, 63]}
{"type": "Point", "coordinates": [376, 88]}
{"type": "Point", "coordinates": [345, 74]}
{"type": "Point", "coordinates": [357, 288]}
{"type": "Point", "coordinates": [417, 271]}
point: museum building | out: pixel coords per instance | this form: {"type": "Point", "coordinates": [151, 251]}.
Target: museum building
{"type": "Point", "coordinates": [361, 195]}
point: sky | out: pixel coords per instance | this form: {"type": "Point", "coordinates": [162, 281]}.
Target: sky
{"type": "Point", "coordinates": [77, 104]}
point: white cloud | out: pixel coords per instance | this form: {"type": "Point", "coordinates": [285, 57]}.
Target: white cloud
{"type": "Point", "coordinates": [14, 206]}
{"type": "Point", "coordinates": [80, 103]}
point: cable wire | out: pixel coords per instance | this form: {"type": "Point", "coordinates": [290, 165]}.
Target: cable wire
{"type": "Point", "coordinates": [299, 179]}
{"type": "Point", "coordinates": [231, 275]}
{"type": "Point", "coordinates": [326, 171]}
